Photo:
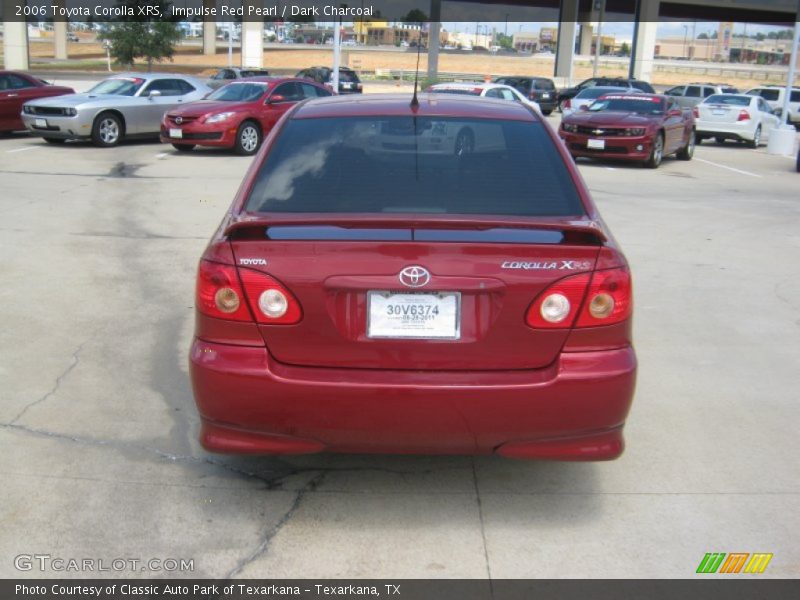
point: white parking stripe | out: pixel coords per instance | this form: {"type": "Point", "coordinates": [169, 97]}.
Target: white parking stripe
{"type": "Point", "coordinates": [162, 155]}
{"type": "Point", "coordinates": [23, 149]}
{"type": "Point", "coordinates": [708, 162]}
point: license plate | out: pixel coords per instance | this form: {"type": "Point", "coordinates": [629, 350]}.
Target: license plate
{"type": "Point", "coordinates": [545, 96]}
{"type": "Point", "coordinates": [40, 122]}
{"type": "Point", "coordinates": [414, 316]}
{"type": "Point", "coordinates": [596, 144]}
{"type": "Point", "coordinates": [719, 112]}
{"type": "Point", "coordinates": [176, 133]}
{"type": "Point", "coordinates": [347, 86]}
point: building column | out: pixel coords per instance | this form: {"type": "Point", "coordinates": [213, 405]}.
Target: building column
{"type": "Point", "coordinates": [60, 35]}
{"type": "Point", "coordinates": [209, 30]}
{"type": "Point", "coordinates": [645, 28]}
{"type": "Point", "coordinates": [434, 27]}
{"type": "Point", "coordinates": [252, 39]}
{"type": "Point", "coordinates": [587, 31]}
{"type": "Point", "coordinates": [15, 40]}
{"type": "Point", "coordinates": [565, 45]}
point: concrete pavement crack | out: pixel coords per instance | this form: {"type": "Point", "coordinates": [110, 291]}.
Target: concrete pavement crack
{"type": "Point", "coordinates": [483, 527]}
{"type": "Point", "coordinates": [275, 529]}
{"type": "Point", "coordinates": [59, 379]}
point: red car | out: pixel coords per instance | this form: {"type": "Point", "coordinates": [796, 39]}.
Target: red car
{"type": "Point", "coordinates": [237, 115]}
{"type": "Point", "coordinates": [17, 88]}
{"type": "Point", "coordinates": [403, 278]}
{"type": "Point", "coordinates": [637, 127]}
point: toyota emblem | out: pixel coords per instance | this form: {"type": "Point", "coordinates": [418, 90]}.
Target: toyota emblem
{"type": "Point", "coordinates": [415, 276]}
{"type": "Point", "coordinates": [179, 120]}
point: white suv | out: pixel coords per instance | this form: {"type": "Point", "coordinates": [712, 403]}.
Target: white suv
{"type": "Point", "coordinates": [774, 95]}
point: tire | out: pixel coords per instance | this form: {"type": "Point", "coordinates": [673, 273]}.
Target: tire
{"type": "Point", "coordinates": [52, 140]}
{"type": "Point", "coordinates": [465, 142]}
{"type": "Point", "coordinates": [248, 139]}
{"type": "Point", "coordinates": [687, 152]}
{"type": "Point", "coordinates": [657, 153]}
{"type": "Point", "coordinates": [107, 130]}
{"type": "Point", "coordinates": [756, 141]}
{"type": "Point", "coordinates": [719, 140]}
{"type": "Point", "coordinates": [183, 147]}
{"type": "Point", "coordinates": [698, 139]}
{"type": "Point", "coordinates": [547, 113]}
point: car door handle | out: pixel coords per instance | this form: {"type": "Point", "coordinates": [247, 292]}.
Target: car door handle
{"type": "Point", "coordinates": [12, 95]}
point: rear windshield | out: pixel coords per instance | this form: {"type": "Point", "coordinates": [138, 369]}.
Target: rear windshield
{"type": "Point", "coordinates": [454, 90]}
{"type": "Point", "coordinates": [596, 92]}
{"type": "Point", "coordinates": [349, 76]}
{"type": "Point", "coordinates": [643, 86]}
{"type": "Point", "coordinates": [730, 100]}
{"type": "Point", "coordinates": [543, 84]}
{"type": "Point", "coordinates": [415, 165]}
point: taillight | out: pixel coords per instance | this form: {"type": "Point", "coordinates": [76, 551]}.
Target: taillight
{"type": "Point", "coordinates": [272, 303]}
{"type": "Point", "coordinates": [568, 303]}
{"type": "Point", "coordinates": [610, 299]}
{"type": "Point", "coordinates": [219, 293]}
{"type": "Point", "coordinates": [696, 112]}
{"type": "Point", "coordinates": [567, 103]}
{"type": "Point", "coordinates": [743, 115]}
{"type": "Point", "coordinates": [557, 306]}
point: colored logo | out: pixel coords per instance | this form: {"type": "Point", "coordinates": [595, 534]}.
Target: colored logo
{"type": "Point", "coordinates": [735, 562]}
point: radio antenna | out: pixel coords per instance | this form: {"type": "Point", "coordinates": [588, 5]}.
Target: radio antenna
{"type": "Point", "coordinates": [414, 100]}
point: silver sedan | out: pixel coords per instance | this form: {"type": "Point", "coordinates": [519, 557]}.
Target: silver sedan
{"type": "Point", "coordinates": [122, 106]}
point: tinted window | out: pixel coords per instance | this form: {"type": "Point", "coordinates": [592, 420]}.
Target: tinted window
{"type": "Point", "coordinates": [676, 91]}
{"type": "Point", "coordinates": [290, 91]}
{"type": "Point", "coordinates": [771, 95]}
{"type": "Point", "coordinates": [406, 165]}
{"type": "Point", "coordinates": [13, 82]}
{"type": "Point", "coordinates": [544, 84]}
{"type": "Point", "coordinates": [448, 90]}
{"type": "Point", "coordinates": [239, 92]}
{"type": "Point", "coordinates": [643, 86]}
{"type": "Point", "coordinates": [312, 91]}
{"type": "Point", "coordinates": [596, 92]}
{"type": "Point", "coordinates": [693, 91]}
{"type": "Point", "coordinates": [167, 87]}
{"type": "Point", "coordinates": [794, 96]}
{"type": "Point", "coordinates": [349, 76]}
{"type": "Point", "coordinates": [729, 90]}
{"type": "Point", "coordinates": [707, 91]}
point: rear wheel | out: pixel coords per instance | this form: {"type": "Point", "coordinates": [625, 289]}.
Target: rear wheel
{"type": "Point", "coordinates": [698, 139]}
{"type": "Point", "coordinates": [52, 140]}
{"type": "Point", "coordinates": [248, 139]}
{"type": "Point", "coordinates": [107, 130]}
{"type": "Point", "coordinates": [547, 113]}
{"type": "Point", "coordinates": [183, 147]}
{"type": "Point", "coordinates": [657, 153]}
{"type": "Point", "coordinates": [687, 152]}
{"type": "Point", "coordinates": [719, 140]}
{"type": "Point", "coordinates": [756, 141]}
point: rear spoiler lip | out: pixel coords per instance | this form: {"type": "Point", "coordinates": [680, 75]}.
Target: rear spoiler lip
{"type": "Point", "coordinates": [583, 226]}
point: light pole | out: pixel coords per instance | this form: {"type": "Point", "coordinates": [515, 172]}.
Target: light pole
{"type": "Point", "coordinates": [598, 47]}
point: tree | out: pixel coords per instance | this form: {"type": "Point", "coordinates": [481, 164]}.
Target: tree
{"type": "Point", "coordinates": [625, 49]}
{"type": "Point", "coordinates": [152, 40]}
{"type": "Point", "coordinates": [702, 36]}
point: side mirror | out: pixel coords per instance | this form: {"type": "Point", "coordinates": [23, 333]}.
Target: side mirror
{"type": "Point", "coordinates": [275, 98]}
{"type": "Point", "coordinates": [154, 94]}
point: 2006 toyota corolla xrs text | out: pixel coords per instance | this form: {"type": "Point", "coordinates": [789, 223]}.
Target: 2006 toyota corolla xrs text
{"type": "Point", "coordinates": [401, 277]}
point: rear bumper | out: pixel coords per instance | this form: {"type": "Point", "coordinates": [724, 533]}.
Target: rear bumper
{"type": "Point", "coordinates": [728, 131]}
{"type": "Point", "coordinates": [572, 410]}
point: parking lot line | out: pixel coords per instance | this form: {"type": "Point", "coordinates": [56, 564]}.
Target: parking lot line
{"type": "Point", "coordinates": [23, 149]}
{"type": "Point", "coordinates": [735, 170]}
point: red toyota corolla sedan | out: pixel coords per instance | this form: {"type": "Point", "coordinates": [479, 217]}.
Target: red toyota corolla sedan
{"type": "Point", "coordinates": [238, 115]}
{"type": "Point", "coordinates": [413, 278]}
{"type": "Point", "coordinates": [16, 89]}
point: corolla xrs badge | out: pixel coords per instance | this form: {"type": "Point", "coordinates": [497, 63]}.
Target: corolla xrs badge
{"type": "Point", "coordinates": [414, 276]}
{"type": "Point", "coordinates": [252, 261]}
{"type": "Point", "coordinates": [178, 120]}
{"type": "Point", "coordinates": [552, 265]}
